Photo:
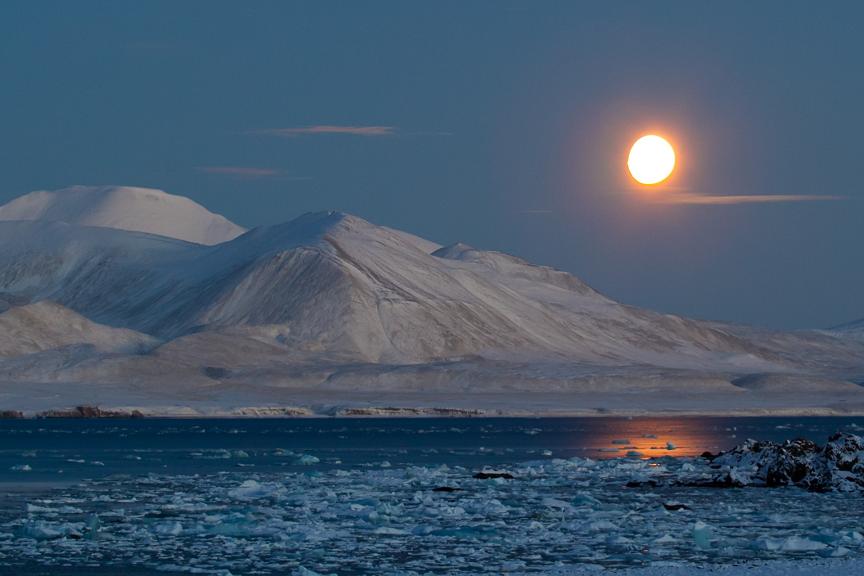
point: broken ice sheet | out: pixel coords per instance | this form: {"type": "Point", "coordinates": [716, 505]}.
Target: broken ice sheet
{"type": "Point", "coordinates": [570, 511]}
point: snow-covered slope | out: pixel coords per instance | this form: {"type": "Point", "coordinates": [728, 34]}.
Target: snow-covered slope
{"type": "Point", "coordinates": [332, 303]}
{"type": "Point", "coordinates": [335, 284]}
{"type": "Point", "coordinates": [851, 330]}
{"type": "Point", "coordinates": [47, 326]}
{"type": "Point", "coordinates": [125, 208]}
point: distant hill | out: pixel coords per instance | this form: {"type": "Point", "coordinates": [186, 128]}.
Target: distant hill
{"type": "Point", "coordinates": [125, 208]}
{"type": "Point", "coordinates": [47, 326]}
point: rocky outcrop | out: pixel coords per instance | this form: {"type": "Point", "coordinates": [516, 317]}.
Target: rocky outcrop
{"type": "Point", "coordinates": [839, 465]}
{"type": "Point", "coordinates": [90, 412]}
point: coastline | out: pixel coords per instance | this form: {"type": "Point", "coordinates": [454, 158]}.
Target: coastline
{"type": "Point", "coordinates": [354, 412]}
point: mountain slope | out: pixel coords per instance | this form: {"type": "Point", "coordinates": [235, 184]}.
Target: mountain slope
{"type": "Point", "coordinates": [850, 330]}
{"type": "Point", "coordinates": [47, 326]}
{"type": "Point", "coordinates": [125, 208]}
{"type": "Point", "coordinates": [330, 285]}
{"type": "Point", "coordinates": [330, 307]}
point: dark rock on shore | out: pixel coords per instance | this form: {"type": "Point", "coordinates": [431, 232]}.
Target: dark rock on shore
{"type": "Point", "coordinates": [839, 465]}
{"type": "Point", "coordinates": [89, 412]}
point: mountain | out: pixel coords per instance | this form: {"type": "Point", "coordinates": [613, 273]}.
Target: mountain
{"type": "Point", "coordinates": [125, 208]}
{"type": "Point", "coordinates": [48, 326]}
{"type": "Point", "coordinates": [336, 284]}
{"type": "Point", "coordinates": [329, 309]}
{"type": "Point", "coordinates": [851, 329]}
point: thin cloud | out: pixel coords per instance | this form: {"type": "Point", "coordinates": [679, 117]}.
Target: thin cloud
{"type": "Point", "coordinates": [323, 129]}
{"type": "Point", "coordinates": [249, 172]}
{"type": "Point", "coordinates": [719, 200]}
{"type": "Point", "coordinates": [239, 171]}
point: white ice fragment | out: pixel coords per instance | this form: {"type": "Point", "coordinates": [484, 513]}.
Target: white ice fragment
{"type": "Point", "coordinates": [307, 460]}
{"type": "Point", "coordinates": [799, 544]}
{"type": "Point", "coordinates": [252, 490]}
{"type": "Point", "coordinates": [169, 528]}
{"type": "Point", "coordinates": [21, 468]}
{"type": "Point", "coordinates": [557, 504]}
{"type": "Point", "coordinates": [702, 535]}
{"type": "Point", "coordinates": [388, 531]}
{"type": "Point", "coordinates": [601, 526]}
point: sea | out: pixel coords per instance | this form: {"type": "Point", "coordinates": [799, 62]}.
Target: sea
{"type": "Point", "coordinates": [386, 496]}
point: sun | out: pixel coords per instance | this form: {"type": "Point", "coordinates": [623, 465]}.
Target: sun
{"type": "Point", "coordinates": [651, 159]}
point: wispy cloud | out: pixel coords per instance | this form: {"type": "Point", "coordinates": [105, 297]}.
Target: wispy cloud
{"type": "Point", "coordinates": [720, 200]}
{"type": "Point", "coordinates": [321, 129]}
{"type": "Point", "coordinates": [249, 172]}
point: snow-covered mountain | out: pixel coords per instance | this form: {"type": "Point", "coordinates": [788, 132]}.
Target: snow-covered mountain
{"type": "Point", "coordinates": [125, 208]}
{"type": "Point", "coordinates": [334, 283]}
{"type": "Point", "coordinates": [331, 304]}
{"type": "Point", "coordinates": [851, 329]}
{"type": "Point", "coordinates": [47, 326]}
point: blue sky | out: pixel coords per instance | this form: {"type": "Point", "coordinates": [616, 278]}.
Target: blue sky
{"type": "Point", "coordinates": [503, 124]}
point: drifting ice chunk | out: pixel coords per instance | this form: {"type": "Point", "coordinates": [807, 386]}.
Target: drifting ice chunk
{"type": "Point", "coordinates": [798, 544]}
{"type": "Point", "coordinates": [252, 490]}
{"type": "Point", "coordinates": [307, 460]}
{"type": "Point", "coordinates": [21, 468]}
{"type": "Point", "coordinates": [169, 529]}
{"type": "Point", "coordinates": [702, 535]}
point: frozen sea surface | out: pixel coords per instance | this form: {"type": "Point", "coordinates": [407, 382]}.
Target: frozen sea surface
{"type": "Point", "coordinates": [359, 497]}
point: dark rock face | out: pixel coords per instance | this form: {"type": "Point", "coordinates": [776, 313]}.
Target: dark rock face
{"type": "Point", "coordinates": [89, 412]}
{"type": "Point", "coordinates": [837, 466]}
{"type": "Point", "coordinates": [493, 475]}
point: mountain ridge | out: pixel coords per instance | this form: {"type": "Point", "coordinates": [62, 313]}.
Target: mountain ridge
{"type": "Point", "coordinates": [125, 208]}
{"type": "Point", "coordinates": [329, 303]}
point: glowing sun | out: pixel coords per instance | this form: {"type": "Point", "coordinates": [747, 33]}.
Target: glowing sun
{"type": "Point", "coordinates": [651, 159]}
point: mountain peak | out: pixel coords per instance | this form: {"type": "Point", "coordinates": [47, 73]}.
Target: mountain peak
{"type": "Point", "coordinates": [125, 208]}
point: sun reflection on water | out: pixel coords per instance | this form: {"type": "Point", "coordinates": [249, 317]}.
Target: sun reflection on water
{"type": "Point", "coordinates": [655, 437]}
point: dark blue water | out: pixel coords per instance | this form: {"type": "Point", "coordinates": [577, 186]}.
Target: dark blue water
{"type": "Point", "coordinates": [337, 496]}
{"type": "Point", "coordinates": [93, 448]}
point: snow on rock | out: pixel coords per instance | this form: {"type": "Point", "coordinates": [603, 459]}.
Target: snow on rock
{"type": "Point", "coordinates": [126, 208]}
{"type": "Point", "coordinates": [839, 465]}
